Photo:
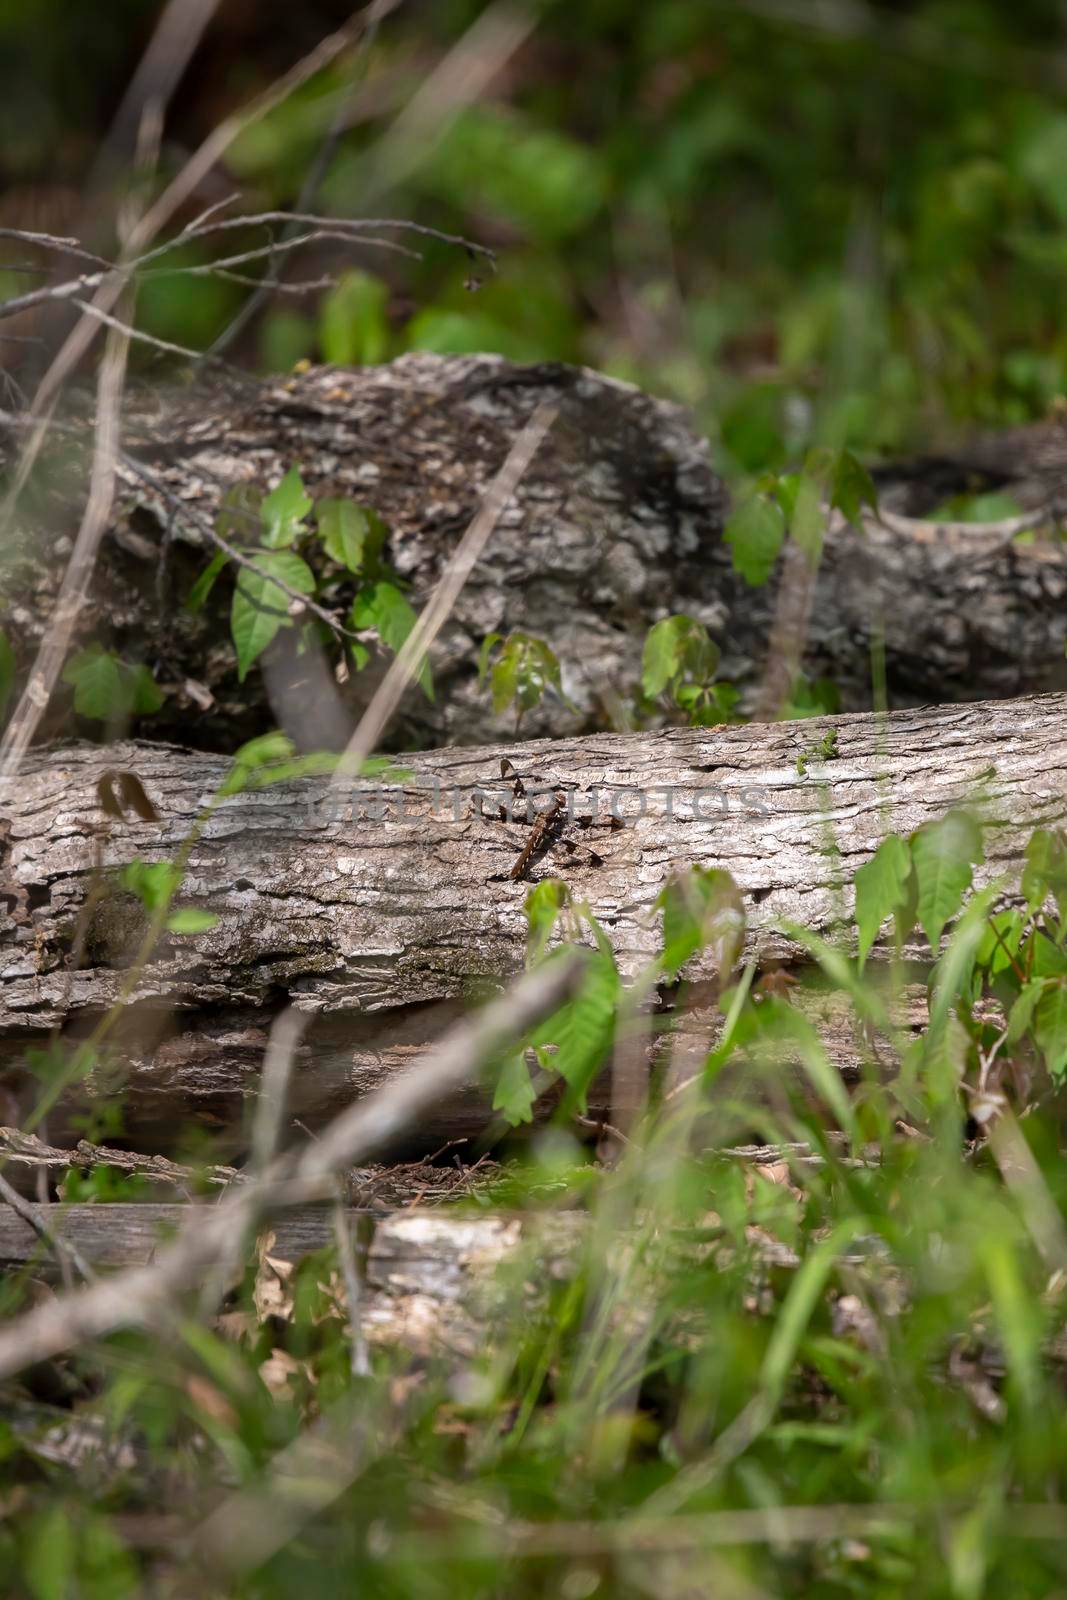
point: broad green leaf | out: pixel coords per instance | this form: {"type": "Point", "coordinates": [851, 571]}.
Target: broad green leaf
{"type": "Point", "coordinates": [97, 678]}
{"type": "Point", "coordinates": [382, 607]}
{"type": "Point", "coordinates": [351, 534]}
{"type": "Point", "coordinates": [755, 532]}
{"type": "Point", "coordinates": [7, 671]}
{"type": "Point", "coordinates": [943, 855]}
{"type": "Point", "coordinates": [1050, 1027]}
{"type": "Point", "coordinates": [284, 510]}
{"type": "Point", "coordinates": [1045, 872]}
{"type": "Point", "coordinates": [853, 487]}
{"type": "Point", "coordinates": [880, 889]}
{"type": "Point", "coordinates": [206, 582]}
{"type": "Point", "coordinates": [674, 647]}
{"type": "Point", "coordinates": [524, 670]}
{"type": "Point", "coordinates": [661, 659]}
{"type": "Point", "coordinates": [259, 607]}
{"type": "Point", "coordinates": [583, 1030]}
{"type": "Point", "coordinates": [1022, 1012]}
{"type": "Point", "coordinates": [144, 692]}
{"type": "Point", "coordinates": [514, 1095]}
{"type": "Point", "coordinates": [190, 919]}
{"type": "Point", "coordinates": [353, 328]}
{"type": "Point", "coordinates": [106, 687]}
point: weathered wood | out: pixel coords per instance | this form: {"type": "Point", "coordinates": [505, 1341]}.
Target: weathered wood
{"type": "Point", "coordinates": [618, 523]}
{"type": "Point", "coordinates": [383, 931]}
{"type": "Point", "coordinates": [429, 1275]}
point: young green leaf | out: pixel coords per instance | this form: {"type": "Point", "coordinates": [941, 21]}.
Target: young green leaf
{"type": "Point", "coordinates": [381, 606]}
{"type": "Point", "coordinates": [351, 534]}
{"type": "Point", "coordinates": [106, 687]}
{"type": "Point", "coordinates": [880, 889]}
{"type": "Point", "coordinates": [283, 511]}
{"type": "Point", "coordinates": [755, 532]}
{"type": "Point", "coordinates": [853, 487]}
{"type": "Point", "coordinates": [1050, 1027]}
{"type": "Point", "coordinates": [583, 1030]}
{"type": "Point", "coordinates": [943, 854]}
{"type": "Point", "coordinates": [514, 1095]}
{"type": "Point", "coordinates": [259, 607]}
{"type": "Point", "coordinates": [1045, 872]}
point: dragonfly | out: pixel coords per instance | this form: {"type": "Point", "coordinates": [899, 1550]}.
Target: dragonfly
{"type": "Point", "coordinates": [548, 822]}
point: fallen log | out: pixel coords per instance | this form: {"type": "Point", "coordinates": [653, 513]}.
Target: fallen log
{"type": "Point", "coordinates": [380, 923]}
{"type": "Point", "coordinates": [618, 523]}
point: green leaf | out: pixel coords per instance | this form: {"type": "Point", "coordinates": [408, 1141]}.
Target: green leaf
{"type": "Point", "coordinates": [675, 646]}
{"type": "Point", "coordinates": [206, 582]}
{"type": "Point", "coordinates": [755, 532]}
{"type": "Point", "coordinates": [943, 854]}
{"type": "Point", "coordinates": [190, 919]}
{"type": "Point", "coordinates": [382, 607]}
{"type": "Point", "coordinates": [880, 889]}
{"type": "Point", "coordinates": [259, 607]}
{"type": "Point", "coordinates": [7, 671]}
{"type": "Point", "coordinates": [351, 534]}
{"type": "Point", "coordinates": [514, 1094]}
{"type": "Point", "coordinates": [106, 687]}
{"type": "Point", "coordinates": [853, 487]}
{"type": "Point", "coordinates": [1050, 1027]}
{"type": "Point", "coordinates": [523, 672]}
{"type": "Point", "coordinates": [97, 680]}
{"type": "Point", "coordinates": [1045, 872]}
{"type": "Point", "coordinates": [702, 909]}
{"type": "Point", "coordinates": [153, 882]}
{"type": "Point", "coordinates": [583, 1030]}
{"type": "Point", "coordinates": [1022, 1012]}
{"type": "Point", "coordinates": [284, 510]}
{"type": "Point", "coordinates": [144, 692]}
{"type": "Point", "coordinates": [353, 329]}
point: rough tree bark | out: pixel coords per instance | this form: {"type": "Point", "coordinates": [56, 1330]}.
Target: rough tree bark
{"type": "Point", "coordinates": [618, 523]}
{"type": "Point", "coordinates": [382, 930]}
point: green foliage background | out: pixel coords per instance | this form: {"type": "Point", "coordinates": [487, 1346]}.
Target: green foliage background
{"type": "Point", "coordinates": [841, 224]}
